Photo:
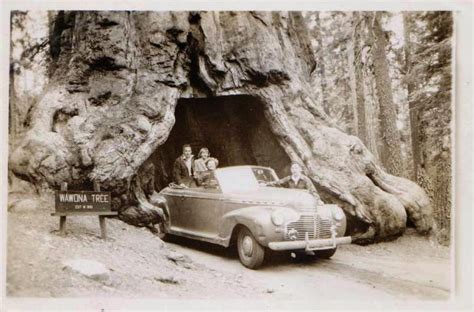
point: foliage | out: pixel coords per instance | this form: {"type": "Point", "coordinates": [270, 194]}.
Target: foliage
{"type": "Point", "coordinates": [421, 83]}
{"type": "Point", "coordinates": [29, 61]}
{"type": "Point", "coordinates": [431, 101]}
{"type": "Point", "coordinates": [330, 38]}
{"type": "Point", "coordinates": [431, 70]}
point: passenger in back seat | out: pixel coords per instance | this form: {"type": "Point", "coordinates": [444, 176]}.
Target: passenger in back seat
{"type": "Point", "coordinates": [208, 178]}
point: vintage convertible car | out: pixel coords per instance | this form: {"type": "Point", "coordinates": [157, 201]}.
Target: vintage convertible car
{"type": "Point", "coordinates": [241, 209]}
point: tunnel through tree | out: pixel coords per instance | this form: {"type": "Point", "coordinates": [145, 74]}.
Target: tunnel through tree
{"type": "Point", "coordinates": [234, 129]}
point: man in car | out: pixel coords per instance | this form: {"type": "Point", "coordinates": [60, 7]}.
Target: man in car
{"type": "Point", "coordinates": [297, 180]}
{"type": "Point", "coordinates": [183, 168]}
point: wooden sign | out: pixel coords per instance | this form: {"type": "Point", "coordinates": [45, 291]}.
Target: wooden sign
{"type": "Point", "coordinates": [82, 201]}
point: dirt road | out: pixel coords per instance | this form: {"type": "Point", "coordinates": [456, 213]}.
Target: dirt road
{"type": "Point", "coordinates": [409, 268]}
{"type": "Point", "coordinates": [140, 265]}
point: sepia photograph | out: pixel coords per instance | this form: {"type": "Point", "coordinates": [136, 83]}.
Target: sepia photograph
{"type": "Point", "coordinates": [264, 155]}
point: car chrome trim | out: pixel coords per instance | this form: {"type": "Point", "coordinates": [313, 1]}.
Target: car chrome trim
{"type": "Point", "coordinates": [311, 225]}
{"type": "Point", "coordinates": [197, 235]}
{"type": "Point", "coordinates": [200, 196]}
{"type": "Point", "coordinates": [315, 244]}
{"type": "Point", "coordinates": [252, 202]}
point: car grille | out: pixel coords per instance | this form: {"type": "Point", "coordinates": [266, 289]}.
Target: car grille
{"type": "Point", "coordinates": [314, 225]}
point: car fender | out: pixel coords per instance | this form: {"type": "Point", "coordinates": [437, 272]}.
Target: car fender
{"type": "Point", "coordinates": [257, 219]}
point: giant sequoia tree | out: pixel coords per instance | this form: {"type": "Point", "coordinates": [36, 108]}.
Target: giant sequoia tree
{"type": "Point", "coordinates": [110, 107]}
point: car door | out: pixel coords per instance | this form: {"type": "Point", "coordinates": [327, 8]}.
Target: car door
{"type": "Point", "coordinates": [201, 211]}
{"type": "Point", "coordinates": [175, 199]}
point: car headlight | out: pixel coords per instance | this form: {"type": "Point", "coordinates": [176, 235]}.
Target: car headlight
{"type": "Point", "coordinates": [337, 214]}
{"type": "Point", "coordinates": [277, 218]}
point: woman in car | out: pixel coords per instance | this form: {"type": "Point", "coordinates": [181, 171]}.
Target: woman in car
{"type": "Point", "coordinates": [200, 162]}
{"type": "Point", "coordinates": [207, 178]}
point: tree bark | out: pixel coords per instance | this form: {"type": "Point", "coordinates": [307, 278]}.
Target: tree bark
{"type": "Point", "coordinates": [371, 106]}
{"type": "Point", "coordinates": [413, 111]}
{"type": "Point", "coordinates": [435, 121]}
{"type": "Point", "coordinates": [391, 154]}
{"type": "Point", "coordinates": [119, 76]}
{"type": "Point", "coordinates": [320, 68]}
{"type": "Point", "coordinates": [357, 82]}
{"type": "Point", "coordinates": [12, 122]}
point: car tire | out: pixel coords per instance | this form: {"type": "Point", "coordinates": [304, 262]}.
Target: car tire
{"type": "Point", "coordinates": [251, 253]}
{"type": "Point", "coordinates": [161, 232]}
{"type": "Point", "coordinates": [325, 254]}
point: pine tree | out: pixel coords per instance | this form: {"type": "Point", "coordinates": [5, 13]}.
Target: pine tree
{"type": "Point", "coordinates": [357, 83]}
{"type": "Point", "coordinates": [430, 102]}
{"type": "Point", "coordinates": [391, 155]}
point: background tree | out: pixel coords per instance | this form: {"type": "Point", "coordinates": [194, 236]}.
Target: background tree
{"type": "Point", "coordinates": [416, 70]}
{"type": "Point", "coordinates": [357, 82]}
{"type": "Point", "coordinates": [28, 65]}
{"type": "Point", "coordinates": [410, 86]}
{"type": "Point", "coordinates": [429, 83]}
{"type": "Point", "coordinates": [391, 154]}
{"type": "Point", "coordinates": [331, 80]}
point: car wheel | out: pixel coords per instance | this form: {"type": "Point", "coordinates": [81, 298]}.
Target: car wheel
{"type": "Point", "coordinates": [325, 254]}
{"type": "Point", "coordinates": [251, 253]}
{"type": "Point", "coordinates": [161, 231]}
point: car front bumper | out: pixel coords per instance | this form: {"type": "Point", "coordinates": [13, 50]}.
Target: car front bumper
{"type": "Point", "coordinates": [311, 244]}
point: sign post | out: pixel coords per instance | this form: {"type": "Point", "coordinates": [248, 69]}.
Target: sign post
{"type": "Point", "coordinates": [83, 203]}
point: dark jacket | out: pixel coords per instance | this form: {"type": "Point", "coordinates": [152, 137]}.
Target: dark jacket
{"type": "Point", "coordinates": [207, 179]}
{"type": "Point", "coordinates": [181, 174]}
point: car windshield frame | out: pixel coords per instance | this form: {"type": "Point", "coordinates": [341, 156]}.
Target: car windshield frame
{"type": "Point", "coordinates": [241, 178]}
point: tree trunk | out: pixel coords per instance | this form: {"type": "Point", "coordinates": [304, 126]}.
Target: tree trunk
{"type": "Point", "coordinates": [371, 107]}
{"type": "Point", "coordinates": [28, 66]}
{"type": "Point", "coordinates": [119, 76]}
{"type": "Point", "coordinates": [414, 121]}
{"type": "Point", "coordinates": [12, 121]}
{"type": "Point", "coordinates": [357, 82]}
{"type": "Point", "coordinates": [391, 155]}
{"type": "Point", "coordinates": [14, 116]}
{"type": "Point", "coordinates": [435, 122]}
{"type": "Point", "coordinates": [321, 71]}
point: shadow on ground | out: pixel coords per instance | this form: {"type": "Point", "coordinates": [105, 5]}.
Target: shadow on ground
{"type": "Point", "coordinates": [273, 259]}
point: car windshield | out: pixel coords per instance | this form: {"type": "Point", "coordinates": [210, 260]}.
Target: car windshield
{"type": "Point", "coordinates": [241, 179]}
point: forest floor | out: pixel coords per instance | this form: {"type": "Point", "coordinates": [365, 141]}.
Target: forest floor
{"type": "Point", "coordinates": [140, 265]}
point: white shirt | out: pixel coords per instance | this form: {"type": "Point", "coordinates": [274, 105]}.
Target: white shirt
{"type": "Point", "coordinates": [296, 178]}
{"type": "Point", "coordinates": [188, 163]}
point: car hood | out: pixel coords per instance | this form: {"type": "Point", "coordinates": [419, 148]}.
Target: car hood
{"type": "Point", "coordinates": [275, 196]}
